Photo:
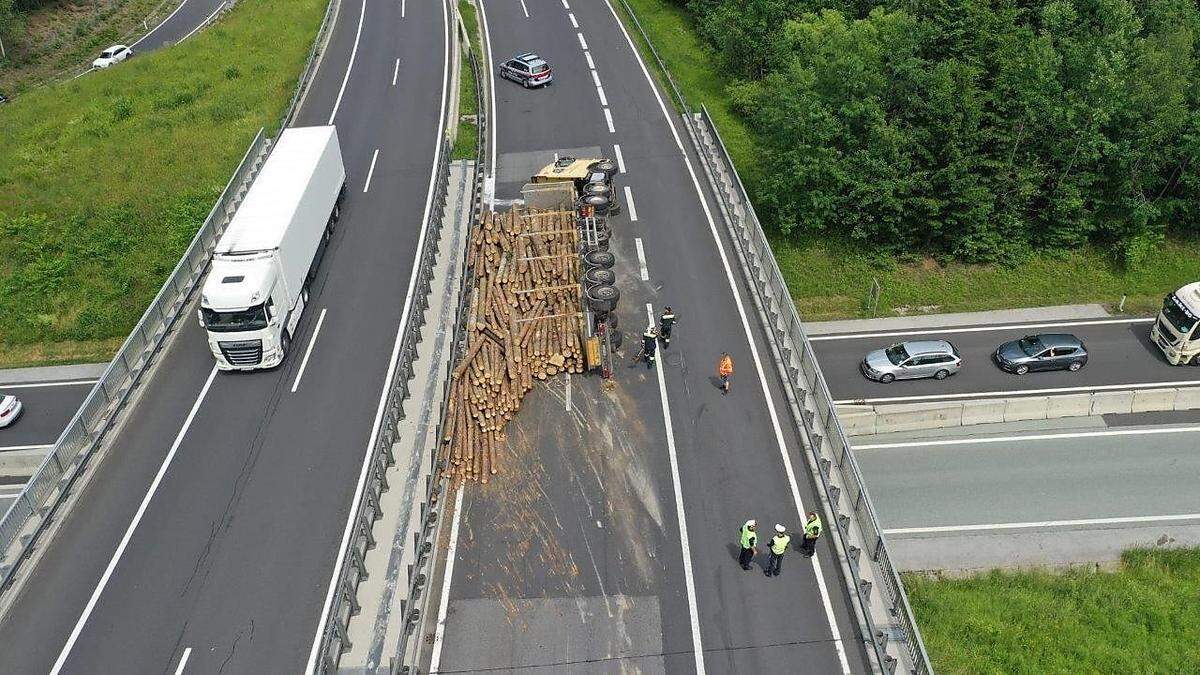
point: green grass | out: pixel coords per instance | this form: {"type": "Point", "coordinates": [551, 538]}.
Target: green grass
{"type": "Point", "coordinates": [465, 142]}
{"type": "Point", "coordinates": [104, 180]}
{"type": "Point", "coordinates": [1142, 618]}
{"type": "Point", "coordinates": [830, 279]}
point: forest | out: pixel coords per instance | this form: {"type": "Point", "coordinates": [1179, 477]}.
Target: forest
{"type": "Point", "coordinates": [969, 130]}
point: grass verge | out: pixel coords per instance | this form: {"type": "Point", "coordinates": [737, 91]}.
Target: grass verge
{"type": "Point", "coordinates": [466, 142]}
{"type": "Point", "coordinates": [831, 280]}
{"type": "Point", "coordinates": [104, 180]}
{"type": "Point", "coordinates": [1141, 618]}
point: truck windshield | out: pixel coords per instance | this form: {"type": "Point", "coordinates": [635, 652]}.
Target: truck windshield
{"type": "Point", "coordinates": [254, 318]}
{"type": "Point", "coordinates": [1181, 319]}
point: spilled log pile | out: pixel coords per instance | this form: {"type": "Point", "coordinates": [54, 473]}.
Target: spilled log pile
{"type": "Point", "coordinates": [523, 322]}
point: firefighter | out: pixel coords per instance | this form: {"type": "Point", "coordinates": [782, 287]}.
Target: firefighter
{"type": "Point", "coordinates": [667, 321]}
{"type": "Point", "coordinates": [649, 345]}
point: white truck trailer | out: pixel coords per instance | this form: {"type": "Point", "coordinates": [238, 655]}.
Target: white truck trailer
{"type": "Point", "coordinates": [257, 287]}
{"type": "Point", "coordinates": [1175, 330]}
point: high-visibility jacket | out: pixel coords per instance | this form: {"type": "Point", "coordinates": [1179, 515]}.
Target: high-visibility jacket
{"type": "Point", "coordinates": [812, 529]}
{"type": "Point", "coordinates": [667, 320]}
{"type": "Point", "coordinates": [725, 368]}
{"type": "Point", "coordinates": [749, 537]}
{"type": "Point", "coordinates": [779, 544]}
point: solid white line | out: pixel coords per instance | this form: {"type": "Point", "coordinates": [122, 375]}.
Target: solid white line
{"type": "Point", "coordinates": [137, 518]}
{"type": "Point", "coordinates": [403, 8]}
{"type": "Point", "coordinates": [620, 159]}
{"type": "Point", "coordinates": [350, 65]}
{"type": "Point", "coordinates": [645, 272]}
{"type": "Point", "coordinates": [582, 42]}
{"type": "Point", "coordinates": [396, 72]}
{"type": "Point", "coordinates": [487, 40]}
{"type": "Point", "coordinates": [160, 24]}
{"type": "Point", "coordinates": [435, 660]}
{"type": "Point", "coordinates": [567, 402]}
{"type": "Point", "coordinates": [596, 78]}
{"type": "Point", "coordinates": [318, 638]}
{"type": "Point", "coordinates": [202, 24]}
{"type": "Point", "coordinates": [574, 23]}
{"type": "Point", "coordinates": [976, 329]}
{"type": "Point", "coordinates": [603, 98]}
{"type": "Point", "coordinates": [183, 661]}
{"type": "Point", "coordinates": [588, 55]}
{"type": "Point", "coordinates": [608, 119]}
{"type": "Point", "coordinates": [371, 171]}
{"type": "Point", "coordinates": [787, 465]}
{"type": "Point", "coordinates": [975, 440]}
{"type": "Point", "coordinates": [16, 448]}
{"type": "Point", "coordinates": [524, 9]}
{"type": "Point", "coordinates": [1044, 523]}
{"type": "Point", "coordinates": [308, 352]}
{"type": "Point", "coordinates": [688, 576]}
{"type": "Point", "coordinates": [1022, 392]}
{"type": "Point", "coordinates": [38, 385]}
{"type": "Point", "coordinates": [565, 5]}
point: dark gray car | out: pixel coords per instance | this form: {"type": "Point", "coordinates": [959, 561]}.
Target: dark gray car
{"type": "Point", "coordinates": [1049, 351]}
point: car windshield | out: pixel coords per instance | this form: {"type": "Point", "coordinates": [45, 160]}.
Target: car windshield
{"type": "Point", "coordinates": [106, 53]}
{"type": "Point", "coordinates": [253, 318]}
{"type": "Point", "coordinates": [896, 354]}
{"type": "Point", "coordinates": [1031, 345]}
{"type": "Point", "coordinates": [1181, 319]}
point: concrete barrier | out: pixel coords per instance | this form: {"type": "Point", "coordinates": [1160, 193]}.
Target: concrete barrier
{"type": "Point", "coordinates": [864, 420]}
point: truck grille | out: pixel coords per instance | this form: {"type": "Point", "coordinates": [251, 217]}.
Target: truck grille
{"type": "Point", "coordinates": [1164, 334]}
{"type": "Point", "coordinates": [242, 352]}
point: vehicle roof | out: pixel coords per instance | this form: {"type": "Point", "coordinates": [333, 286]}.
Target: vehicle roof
{"type": "Point", "coordinates": [224, 291]}
{"type": "Point", "coordinates": [1189, 295]}
{"type": "Point", "coordinates": [1059, 340]}
{"type": "Point", "coordinates": [116, 47]}
{"type": "Point", "coordinates": [914, 347]}
{"type": "Point", "coordinates": [530, 58]}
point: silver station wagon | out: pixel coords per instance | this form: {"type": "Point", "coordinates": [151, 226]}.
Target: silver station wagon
{"type": "Point", "coordinates": [911, 361]}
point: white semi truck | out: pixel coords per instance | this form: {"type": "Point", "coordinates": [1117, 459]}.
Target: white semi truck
{"type": "Point", "coordinates": [1175, 331]}
{"type": "Point", "coordinates": [257, 287]}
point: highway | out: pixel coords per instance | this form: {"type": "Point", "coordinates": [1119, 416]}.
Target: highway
{"type": "Point", "coordinates": [182, 22]}
{"type": "Point", "coordinates": [1120, 356]}
{"type": "Point", "coordinates": [607, 543]}
{"type": "Point", "coordinates": [48, 408]}
{"type": "Point", "coordinates": [205, 539]}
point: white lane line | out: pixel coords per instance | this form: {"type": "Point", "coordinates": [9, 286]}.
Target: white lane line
{"type": "Point", "coordinates": [603, 98]}
{"type": "Point", "coordinates": [582, 42]}
{"type": "Point", "coordinates": [308, 352]}
{"type": "Point", "coordinates": [183, 661]}
{"type": "Point", "coordinates": [629, 203]}
{"type": "Point", "coordinates": [588, 55]}
{"type": "Point", "coordinates": [350, 65]}
{"type": "Point", "coordinates": [976, 329]}
{"type": "Point", "coordinates": [403, 8]}
{"type": "Point", "coordinates": [318, 637]}
{"type": "Point", "coordinates": [1044, 523]}
{"type": "Point", "coordinates": [688, 576]}
{"type": "Point", "coordinates": [596, 79]}
{"type": "Point", "coordinates": [975, 440]}
{"type": "Point", "coordinates": [396, 72]}
{"type": "Point", "coordinates": [203, 23]}
{"type": "Point", "coordinates": [608, 119]}
{"type": "Point", "coordinates": [566, 6]}
{"type": "Point", "coordinates": [645, 272]}
{"type": "Point", "coordinates": [439, 633]}
{"type": "Point", "coordinates": [137, 518]}
{"type": "Point", "coordinates": [574, 23]}
{"type": "Point", "coordinates": [1021, 392]}
{"type": "Point", "coordinates": [160, 25]}
{"type": "Point", "coordinates": [567, 402]}
{"type": "Point", "coordinates": [371, 171]}
{"type": "Point", "coordinates": [620, 159]}
{"type": "Point", "coordinates": [835, 631]}
{"type": "Point", "coordinates": [524, 9]}
{"type": "Point", "coordinates": [487, 40]}
{"type": "Point", "coordinates": [38, 385]}
{"type": "Point", "coordinates": [16, 448]}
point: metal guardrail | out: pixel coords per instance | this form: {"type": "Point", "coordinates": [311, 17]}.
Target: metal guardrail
{"type": "Point", "coordinates": [27, 517]}
{"type": "Point", "coordinates": [788, 336]}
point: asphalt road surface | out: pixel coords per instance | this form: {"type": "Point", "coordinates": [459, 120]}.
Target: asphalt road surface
{"type": "Point", "coordinates": [182, 22]}
{"type": "Point", "coordinates": [212, 525]}
{"type": "Point", "coordinates": [1120, 356]}
{"type": "Point", "coordinates": [48, 406]}
{"type": "Point", "coordinates": [574, 556]}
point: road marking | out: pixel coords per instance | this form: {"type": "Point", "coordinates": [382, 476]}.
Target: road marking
{"type": "Point", "coordinates": [976, 329]}
{"type": "Point", "coordinates": [137, 518]}
{"type": "Point", "coordinates": [524, 9]}
{"type": "Point", "coordinates": [588, 55]}
{"type": "Point", "coordinates": [603, 98]}
{"type": "Point", "coordinates": [608, 119]}
{"type": "Point", "coordinates": [574, 23]}
{"type": "Point", "coordinates": [565, 5]}
{"type": "Point", "coordinates": [737, 297]}
{"type": "Point", "coordinates": [183, 661]}
{"type": "Point", "coordinates": [403, 8]}
{"type": "Point", "coordinates": [203, 23]}
{"type": "Point", "coordinates": [1021, 392]}
{"type": "Point", "coordinates": [689, 578]}
{"type": "Point", "coordinates": [629, 203]}
{"type": "Point", "coordinates": [350, 65]}
{"type": "Point", "coordinates": [17, 448]}
{"type": "Point", "coordinates": [1045, 523]}
{"type": "Point", "coordinates": [396, 72]}
{"type": "Point", "coordinates": [641, 259]}
{"type": "Point", "coordinates": [582, 42]}
{"type": "Point", "coordinates": [371, 171]}
{"type": "Point", "coordinates": [975, 440]}
{"type": "Point", "coordinates": [318, 638]}
{"type": "Point", "coordinates": [439, 633]}
{"type": "Point", "coordinates": [596, 78]}
{"type": "Point", "coordinates": [567, 402]}
{"type": "Point", "coordinates": [487, 40]}
{"type": "Point", "coordinates": [160, 25]}
{"type": "Point", "coordinates": [37, 385]}
{"type": "Point", "coordinates": [308, 352]}
{"type": "Point", "coordinates": [620, 159]}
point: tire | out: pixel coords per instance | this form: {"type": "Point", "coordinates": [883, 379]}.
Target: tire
{"type": "Point", "coordinates": [525, 83]}
{"type": "Point", "coordinates": [1075, 365]}
{"type": "Point", "coordinates": [887, 378]}
{"type": "Point", "coordinates": [286, 344]}
{"type": "Point", "coordinates": [941, 374]}
{"type": "Point", "coordinates": [1195, 360]}
{"type": "Point", "coordinates": [615, 338]}
{"type": "Point", "coordinates": [1022, 369]}
{"type": "Point", "coordinates": [612, 321]}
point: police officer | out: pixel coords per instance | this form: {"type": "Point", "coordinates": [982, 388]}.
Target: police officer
{"type": "Point", "coordinates": [748, 542]}
{"type": "Point", "coordinates": [667, 321]}
{"type": "Point", "coordinates": [649, 345]}
{"type": "Point", "coordinates": [812, 530]}
{"type": "Point", "coordinates": [779, 544]}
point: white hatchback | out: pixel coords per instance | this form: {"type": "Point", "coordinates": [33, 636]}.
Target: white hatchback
{"type": "Point", "coordinates": [111, 56]}
{"type": "Point", "coordinates": [10, 409]}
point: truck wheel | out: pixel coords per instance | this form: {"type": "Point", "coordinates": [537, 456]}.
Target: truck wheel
{"type": "Point", "coordinates": [615, 339]}
{"type": "Point", "coordinates": [285, 344]}
{"type": "Point", "coordinates": [1195, 360]}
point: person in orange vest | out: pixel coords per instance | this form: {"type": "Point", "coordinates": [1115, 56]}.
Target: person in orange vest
{"type": "Point", "coordinates": [725, 371]}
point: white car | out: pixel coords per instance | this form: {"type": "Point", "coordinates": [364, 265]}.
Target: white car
{"type": "Point", "coordinates": [10, 409]}
{"type": "Point", "coordinates": [111, 56]}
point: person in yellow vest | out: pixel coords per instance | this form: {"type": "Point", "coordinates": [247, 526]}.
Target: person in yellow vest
{"type": "Point", "coordinates": [779, 544]}
{"type": "Point", "coordinates": [812, 530]}
{"type": "Point", "coordinates": [748, 539]}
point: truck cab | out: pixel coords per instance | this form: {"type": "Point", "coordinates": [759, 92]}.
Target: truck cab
{"type": "Point", "coordinates": [246, 313]}
{"type": "Point", "coordinates": [1176, 331]}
